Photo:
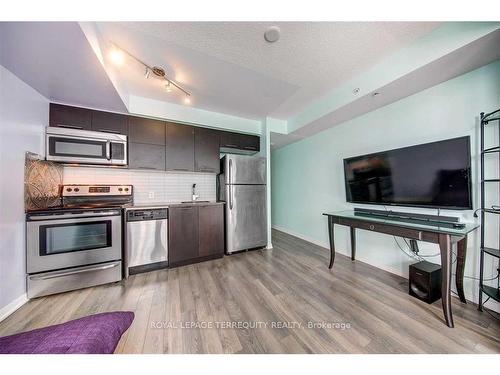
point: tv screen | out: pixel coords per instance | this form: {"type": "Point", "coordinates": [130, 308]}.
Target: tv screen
{"type": "Point", "coordinates": [434, 174]}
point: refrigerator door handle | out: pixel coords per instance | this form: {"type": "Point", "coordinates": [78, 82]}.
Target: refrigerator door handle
{"type": "Point", "coordinates": [230, 197]}
{"type": "Point", "coordinates": [230, 182]}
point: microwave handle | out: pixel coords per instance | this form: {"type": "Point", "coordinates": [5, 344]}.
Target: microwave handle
{"type": "Point", "coordinates": [108, 150]}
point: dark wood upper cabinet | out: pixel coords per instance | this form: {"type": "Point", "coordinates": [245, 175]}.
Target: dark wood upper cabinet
{"type": "Point", "coordinates": [229, 140]}
{"type": "Point", "coordinates": [206, 150]}
{"type": "Point", "coordinates": [145, 130]}
{"type": "Point", "coordinates": [180, 147]}
{"type": "Point", "coordinates": [109, 122]}
{"type": "Point", "coordinates": [146, 156]}
{"type": "Point", "coordinates": [182, 235]}
{"type": "Point", "coordinates": [211, 230]}
{"type": "Point", "coordinates": [70, 117]}
{"type": "Point", "coordinates": [250, 142]}
{"type": "Point", "coordinates": [245, 142]}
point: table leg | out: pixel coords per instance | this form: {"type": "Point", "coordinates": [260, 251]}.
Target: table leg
{"type": "Point", "coordinates": [332, 241]}
{"type": "Point", "coordinates": [459, 273]}
{"type": "Point", "coordinates": [353, 243]}
{"type": "Point", "coordinates": [445, 249]}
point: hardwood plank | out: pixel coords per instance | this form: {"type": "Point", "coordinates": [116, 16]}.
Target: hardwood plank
{"type": "Point", "coordinates": [154, 339]}
{"type": "Point", "coordinates": [172, 337]}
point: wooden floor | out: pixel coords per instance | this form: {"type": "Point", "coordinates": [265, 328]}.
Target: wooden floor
{"type": "Point", "coordinates": [291, 285]}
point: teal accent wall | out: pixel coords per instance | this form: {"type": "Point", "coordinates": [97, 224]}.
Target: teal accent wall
{"type": "Point", "coordinates": [307, 176]}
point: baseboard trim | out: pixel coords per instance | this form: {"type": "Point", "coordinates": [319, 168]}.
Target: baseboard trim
{"type": "Point", "coordinates": [13, 306]}
{"type": "Point", "coordinates": [302, 237]}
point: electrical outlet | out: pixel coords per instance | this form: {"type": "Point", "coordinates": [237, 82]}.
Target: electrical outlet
{"type": "Point", "coordinates": [151, 195]}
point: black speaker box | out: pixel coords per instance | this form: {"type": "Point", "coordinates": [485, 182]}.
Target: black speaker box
{"type": "Point", "coordinates": [425, 281]}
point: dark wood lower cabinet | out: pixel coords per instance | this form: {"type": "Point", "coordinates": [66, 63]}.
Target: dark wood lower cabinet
{"type": "Point", "coordinates": [211, 230]}
{"type": "Point", "coordinates": [196, 233]}
{"type": "Point", "coordinates": [182, 235]}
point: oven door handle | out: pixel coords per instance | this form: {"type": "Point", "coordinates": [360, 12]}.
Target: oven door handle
{"type": "Point", "coordinates": [69, 273]}
{"type": "Point", "coordinates": [74, 216]}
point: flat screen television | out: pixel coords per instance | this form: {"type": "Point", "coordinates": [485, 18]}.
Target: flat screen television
{"type": "Point", "coordinates": [433, 175]}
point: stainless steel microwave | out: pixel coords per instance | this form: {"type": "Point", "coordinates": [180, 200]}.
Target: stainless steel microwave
{"type": "Point", "coordinates": [85, 147]}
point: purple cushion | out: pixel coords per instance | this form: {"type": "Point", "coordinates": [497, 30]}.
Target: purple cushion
{"type": "Point", "coordinates": [94, 334]}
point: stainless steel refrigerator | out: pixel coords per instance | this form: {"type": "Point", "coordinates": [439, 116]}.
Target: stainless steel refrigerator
{"type": "Point", "coordinates": [242, 185]}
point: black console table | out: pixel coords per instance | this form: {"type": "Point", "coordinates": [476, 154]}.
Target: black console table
{"type": "Point", "coordinates": [443, 235]}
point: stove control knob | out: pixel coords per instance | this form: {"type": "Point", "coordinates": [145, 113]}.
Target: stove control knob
{"type": "Point", "coordinates": [68, 189]}
{"type": "Point", "coordinates": [120, 189]}
{"type": "Point", "coordinates": [126, 189]}
{"type": "Point", "coordinates": [77, 190]}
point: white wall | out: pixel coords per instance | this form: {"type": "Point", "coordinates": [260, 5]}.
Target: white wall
{"type": "Point", "coordinates": [24, 113]}
{"type": "Point", "coordinates": [149, 186]}
{"type": "Point", "coordinates": [308, 179]}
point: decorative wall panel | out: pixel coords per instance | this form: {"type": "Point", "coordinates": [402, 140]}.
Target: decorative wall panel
{"type": "Point", "coordinates": [42, 181]}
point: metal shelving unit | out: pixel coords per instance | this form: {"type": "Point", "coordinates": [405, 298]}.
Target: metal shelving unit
{"type": "Point", "coordinates": [489, 119]}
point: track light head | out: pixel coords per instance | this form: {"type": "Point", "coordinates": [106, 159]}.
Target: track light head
{"type": "Point", "coordinates": [117, 56]}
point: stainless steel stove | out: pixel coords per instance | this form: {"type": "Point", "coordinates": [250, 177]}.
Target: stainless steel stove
{"type": "Point", "coordinates": [79, 243]}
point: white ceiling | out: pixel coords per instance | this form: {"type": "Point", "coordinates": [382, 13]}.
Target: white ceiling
{"type": "Point", "coordinates": [229, 67]}
{"type": "Point", "coordinates": [56, 59]}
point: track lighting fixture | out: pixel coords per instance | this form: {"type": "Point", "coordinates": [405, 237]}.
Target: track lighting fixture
{"type": "Point", "coordinates": [117, 56]}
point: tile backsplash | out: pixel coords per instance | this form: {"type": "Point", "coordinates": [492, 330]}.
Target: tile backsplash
{"type": "Point", "coordinates": [149, 186]}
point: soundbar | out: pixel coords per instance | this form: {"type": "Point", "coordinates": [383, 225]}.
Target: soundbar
{"type": "Point", "coordinates": [409, 217]}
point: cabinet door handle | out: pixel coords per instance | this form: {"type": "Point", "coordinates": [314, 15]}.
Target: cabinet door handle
{"type": "Point", "coordinates": [230, 145]}
{"type": "Point", "coordinates": [69, 126]}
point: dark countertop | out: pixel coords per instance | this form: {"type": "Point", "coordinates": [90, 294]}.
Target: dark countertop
{"type": "Point", "coordinates": [170, 204]}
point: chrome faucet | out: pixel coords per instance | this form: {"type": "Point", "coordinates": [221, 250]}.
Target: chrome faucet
{"type": "Point", "coordinates": [193, 194]}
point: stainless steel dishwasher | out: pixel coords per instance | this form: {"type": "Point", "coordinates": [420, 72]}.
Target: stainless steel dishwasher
{"type": "Point", "coordinates": [146, 240]}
